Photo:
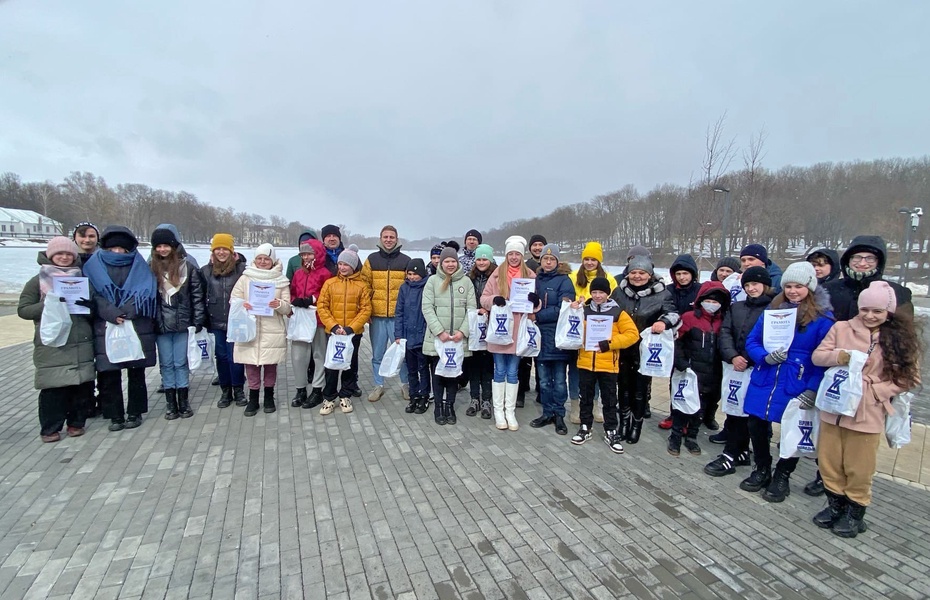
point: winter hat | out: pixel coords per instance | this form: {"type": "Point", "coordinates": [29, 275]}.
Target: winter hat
{"type": "Point", "coordinates": [118, 237]}
{"type": "Point", "coordinates": [349, 256]}
{"type": "Point", "coordinates": [436, 250]}
{"type": "Point", "coordinates": [731, 263]}
{"type": "Point", "coordinates": [799, 272]}
{"type": "Point", "coordinates": [878, 295]}
{"type": "Point", "coordinates": [550, 250]}
{"type": "Point", "coordinates": [447, 252]}
{"type": "Point", "coordinates": [537, 238]}
{"type": "Point", "coordinates": [84, 224]}
{"type": "Point", "coordinates": [222, 240]}
{"type": "Point", "coordinates": [756, 251]}
{"type": "Point", "coordinates": [266, 250]}
{"type": "Point", "coordinates": [638, 251]}
{"type": "Point", "coordinates": [164, 236]}
{"type": "Point", "coordinates": [756, 275]}
{"type": "Point", "coordinates": [600, 284]}
{"type": "Point", "coordinates": [331, 230]}
{"type": "Point", "coordinates": [593, 250]}
{"type": "Point", "coordinates": [641, 263]}
{"type": "Point", "coordinates": [484, 251]}
{"type": "Point", "coordinates": [452, 244]}
{"type": "Point", "coordinates": [416, 265]}
{"type": "Point", "coordinates": [309, 233]}
{"type": "Point", "coordinates": [474, 233]}
{"type": "Point", "coordinates": [59, 244]}
{"type": "Point", "coordinates": [306, 247]}
{"type": "Point", "coordinates": [515, 243]}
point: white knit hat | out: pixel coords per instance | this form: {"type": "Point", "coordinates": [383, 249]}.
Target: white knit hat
{"type": "Point", "coordinates": [800, 272]}
{"type": "Point", "coordinates": [515, 243]}
{"type": "Point", "coordinates": [266, 250]}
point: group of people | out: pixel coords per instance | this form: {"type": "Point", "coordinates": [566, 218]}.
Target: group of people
{"type": "Point", "coordinates": [843, 304]}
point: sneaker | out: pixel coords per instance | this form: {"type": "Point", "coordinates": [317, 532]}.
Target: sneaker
{"type": "Point", "coordinates": [133, 421]}
{"type": "Point", "coordinates": [815, 487]}
{"type": "Point", "coordinates": [583, 435]}
{"type": "Point", "coordinates": [692, 447]}
{"type": "Point", "coordinates": [719, 438]}
{"type": "Point", "coordinates": [75, 431]}
{"type": "Point", "coordinates": [665, 423]}
{"type": "Point", "coordinates": [612, 439]}
{"type": "Point", "coordinates": [50, 438]}
{"type": "Point", "coordinates": [117, 425]}
{"type": "Point", "coordinates": [758, 479]}
{"type": "Point", "coordinates": [485, 409]}
{"type": "Point", "coordinates": [405, 391]}
{"type": "Point", "coordinates": [376, 393]}
{"type": "Point", "coordinates": [328, 407]}
{"type": "Point", "coordinates": [778, 489]}
{"type": "Point", "coordinates": [743, 459]}
{"type": "Point", "coordinates": [712, 424]}
{"type": "Point", "coordinates": [472, 409]}
{"type": "Point", "coordinates": [720, 466]}
{"type": "Point", "coordinates": [346, 405]}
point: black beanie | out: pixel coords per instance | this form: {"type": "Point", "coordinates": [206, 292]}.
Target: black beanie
{"type": "Point", "coordinates": [600, 284]}
{"type": "Point", "coordinates": [113, 237]}
{"type": "Point", "coordinates": [756, 275]}
{"type": "Point", "coordinates": [417, 266]}
{"type": "Point", "coordinates": [331, 230]}
{"type": "Point", "coordinates": [164, 236]}
{"type": "Point", "coordinates": [474, 233]}
{"type": "Point", "coordinates": [537, 238]}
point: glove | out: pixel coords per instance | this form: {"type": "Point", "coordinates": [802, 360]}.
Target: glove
{"type": "Point", "coordinates": [533, 298]}
{"type": "Point", "coordinates": [807, 399]}
{"type": "Point", "coordinates": [62, 299]}
{"type": "Point", "coordinates": [604, 345]}
{"type": "Point", "coordinates": [301, 302]}
{"type": "Point", "coordinates": [499, 301]}
{"type": "Point", "coordinates": [84, 302]}
{"type": "Point", "coordinates": [334, 329]}
{"type": "Point", "coordinates": [348, 331]}
{"type": "Point", "coordinates": [682, 366]}
{"type": "Point", "coordinates": [777, 357]}
{"type": "Point", "coordinates": [842, 358]}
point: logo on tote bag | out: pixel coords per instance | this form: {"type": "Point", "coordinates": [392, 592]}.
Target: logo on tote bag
{"type": "Point", "coordinates": [807, 428]}
{"type": "Point", "coordinates": [735, 387]}
{"type": "Point", "coordinates": [450, 357]}
{"type": "Point", "coordinates": [680, 394]}
{"type": "Point", "coordinates": [340, 347]}
{"type": "Point", "coordinates": [501, 324]}
{"type": "Point", "coordinates": [838, 379]}
{"type": "Point", "coordinates": [654, 351]}
{"type": "Point", "coordinates": [573, 324]}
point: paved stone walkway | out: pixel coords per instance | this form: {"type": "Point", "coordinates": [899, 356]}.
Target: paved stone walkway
{"type": "Point", "coordinates": [380, 504]}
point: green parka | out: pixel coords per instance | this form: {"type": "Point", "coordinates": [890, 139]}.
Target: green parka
{"type": "Point", "coordinates": [447, 310]}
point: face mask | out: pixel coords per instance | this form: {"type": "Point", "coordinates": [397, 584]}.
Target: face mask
{"type": "Point", "coordinates": [710, 307]}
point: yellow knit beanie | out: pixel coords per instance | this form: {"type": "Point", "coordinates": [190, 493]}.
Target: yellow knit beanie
{"type": "Point", "coordinates": [593, 250]}
{"type": "Point", "coordinates": [222, 240]}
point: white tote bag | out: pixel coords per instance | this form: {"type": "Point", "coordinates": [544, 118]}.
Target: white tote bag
{"type": "Point", "coordinates": [799, 430]}
{"type": "Point", "coordinates": [569, 335]}
{"type": "Point", "coordinates": [122, 343]}
{"type": "Point", "coordinates": [898, 424]}
{"type": "Point", "coordinates": [451, 355]}
{"type": "Point", "coordinates": [477, 330]}
{"type": "Point", "coordinates": [200, 349]}
{"type": "Point", "coordinates": [840, 392]}
{"type": "Point", "coordinates": [733, 390]}
{"type": "Point", "coordinates": [734, 285]}
{"type": "Point", "coordinates": [339, 351]}
{"type": "Point", "coordinates": [656, 353]}
{"type": "Point", "coordinates": [528, 339]}
{"type": "Point", "coordinates": [393, 359]}
{"type": "Point", "coordinates": [55, 325]}
{"type": "Point", "coordinates": [685, 397]}
{"type": "Point", "coordinates": [500, 325]}
{"type": "Point", "coordinates": [301, 325]}
{"type": "Point", "coordinates": [240, 326]}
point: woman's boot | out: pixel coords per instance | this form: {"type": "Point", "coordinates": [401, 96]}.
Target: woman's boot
{"type": "Point", "coordinates": [510, 404]}
{"type": "Point", "coordinates": [251, 409]}
{"type": "Point", "coordinates": [184, 407]}
{"type": "Point", "coordinates": [269, 400]}
{"type": "Point", "coordinates": [836, 508]}
{"type": "Point", "coordinates": [498, 391]}
{"type": "Point", "coordinates": [171, 405]}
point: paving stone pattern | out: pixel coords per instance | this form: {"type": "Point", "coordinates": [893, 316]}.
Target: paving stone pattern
{"type": "Point", "coordinates": [380, 504]}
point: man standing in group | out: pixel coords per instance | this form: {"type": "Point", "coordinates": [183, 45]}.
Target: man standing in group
{"type": "Point", "coordinates": [467, 259]}
{"type": "Point", "coordinates": [385, 271]}
{"type": "Point", "coordinates": [332, 241]}
{"type": "Point", "coordinates": [85, 236]}
{"type": "Point", "coordinates": [756, 255]}
{"type": "Point", "coordinates": [537, 243]}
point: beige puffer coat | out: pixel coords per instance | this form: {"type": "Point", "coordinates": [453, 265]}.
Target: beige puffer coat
{"type": "Point", "coordinates": [270, 344]}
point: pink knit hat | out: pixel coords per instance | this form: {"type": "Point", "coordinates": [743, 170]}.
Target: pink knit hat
{"type": "Point", "coordinates": [60, 244]}
{"type": "Point", "coordinates": [878, 295]}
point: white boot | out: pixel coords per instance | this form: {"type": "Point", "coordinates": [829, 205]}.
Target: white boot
{"type": "Point", "coordinates": [510, 405]}
{"type": "Point", "coordinates": [497, 398]}
{"type": "Point", "coordinates": [574, 413]}
{"type": "Point", "coordinates": [598, 411]}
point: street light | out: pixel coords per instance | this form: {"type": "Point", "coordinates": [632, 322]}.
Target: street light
{"type": "Point", "coordinates": [725, 226]}
{"type": "Point", "coordinates": [910, 224]}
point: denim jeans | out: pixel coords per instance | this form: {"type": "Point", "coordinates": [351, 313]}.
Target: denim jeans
{"type": "Point", "coordinates": [172, 360]}
{"type": "Point", "coordinates": [381, 333]}
{"type": "Point", "coordinates": [505, 368]}
{"type": "Point", "coordinates": [552, 386]}
{"type": "Point", "coordinates": [229, 372]}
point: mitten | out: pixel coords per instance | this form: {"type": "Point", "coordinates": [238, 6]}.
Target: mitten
{"type": "Point", "coordinates": [499, 301]}
{"type": "Point", "coordinates": [604, 345]}
{"type": "Point", "coordinates": [777, 357]}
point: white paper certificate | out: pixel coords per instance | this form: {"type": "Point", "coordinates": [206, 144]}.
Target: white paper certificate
{"type": "Point", "coordinates": [596, 329]}
{"type": "Point", "coordinates": [260, 295]}
{"type": "Point", "coordinates": [519, 290]}
{"type": "Point", "coordinates": [778, 329]}
{"type": "Point", "coordinates": [72, 289]}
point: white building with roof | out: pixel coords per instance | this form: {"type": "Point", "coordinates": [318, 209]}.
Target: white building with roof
{"type": "Point", "coordinates": [25, 224]}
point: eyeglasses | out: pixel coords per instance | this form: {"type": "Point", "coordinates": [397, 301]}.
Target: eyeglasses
{"type": "Point", "coordinates": [863, 258]}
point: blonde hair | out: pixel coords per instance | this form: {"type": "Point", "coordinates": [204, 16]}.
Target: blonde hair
{"type": "Point", "coordinates": [503, 279]}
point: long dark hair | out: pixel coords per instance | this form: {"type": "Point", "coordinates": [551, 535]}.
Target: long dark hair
{"type": "Point", "coordinates": [169, 265]}
{"type": "Point", "coordinates": [900, 338]}
{"type": "Point", "coordinates": [581, 278]}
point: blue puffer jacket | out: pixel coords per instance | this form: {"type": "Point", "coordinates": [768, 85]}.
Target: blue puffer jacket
{"type": "Point", "coordinates": [771, 387]}
{"type": "Point", "coordinates": [409, 323]}
{"type": "Point", "coordinates": [551, 287]}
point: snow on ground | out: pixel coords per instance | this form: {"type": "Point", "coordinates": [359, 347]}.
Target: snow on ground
{"type": "Point", "coordinates": [918, 289]}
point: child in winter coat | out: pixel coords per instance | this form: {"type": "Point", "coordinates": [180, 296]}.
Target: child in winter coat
{"type": "Point", "coordinates": [182, 305]}
{"type": "Point", "coordinates": [848, 446]}
{"type": "Point", "coordinates": [784, 374]}
{"type": "Point", "coordinates": [220, 276]}
{"type": "Point", "coordinates": [344, 307]}
{"type": "Point", "coordinates": [269, 347]}
{"type": "Point", "coordinates": [600, 367]}
{"type": "Point", "coordinates": [696, 348]}
{"type": "Point", "coordinates": [480, 365]}
{"type": "Point", "coordinates": [410, 325]}
{"type": "Point", "coordinates": [685, 283]}
{"type": "Point", "coordinates": [64, 375]}
{"type": "Point", "coordinates": [306, 284]}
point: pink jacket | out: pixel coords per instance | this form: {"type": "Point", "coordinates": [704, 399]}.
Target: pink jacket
{"type": "Point", "coordinates": [876, 391]}
{"type": "Point", "coordinates": [491, 289]}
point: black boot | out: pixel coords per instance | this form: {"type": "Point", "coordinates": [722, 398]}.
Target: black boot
{"type": "Point", "coordinates": [779, 489]}
{"type": "Point", "coordinates": [226, 397]}
{"type": "Point", "coordinates": [439, 413]}
{"type": "Point", "coordinates": [560, 427]}
{"type": "Point", "coordinates": [521, 399]}
{"type": "Point", "coordinates": [269, 400]}
{"type": "Point", "coordinates": [299, 398]}
{"type": "Point", "coordinates": [184, 407]}
{"type": "Point", "coordinates": [626, 424]}
{"type": "Point", "coordinates": [251, 409]}
{"type": "Point", "coordinates": [852, 523]}
{"type": "Point", "coordinates": [836, 508]}
{"type": "Point", "coordinates": [636, 429]}
{"type": "Point", "coordinates": [760, 477]}
{"type": "Point", "coordinates": [815, 487]}
{"type": "Point", "coordinates": [450, 414]}
{"type": "Point", "coordinates": [239, 396]}
{"type": "Point", "coordinates": [413, 404]}
{"type": "Point", "coordinates": [171, 405]}
{"type": "Point", "coordinates": [422, 405]}
{"type": "Point", "coordinates": [674, 444]}
{"type": "Point", "coordinates": [314, 399]}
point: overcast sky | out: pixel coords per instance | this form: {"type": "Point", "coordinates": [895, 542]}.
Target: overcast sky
{"type": "Point", "coordinates": [439, 116]}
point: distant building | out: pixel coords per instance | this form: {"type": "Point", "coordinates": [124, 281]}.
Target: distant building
{"type": "Point", "coordinates": [261, 234]}
{"type": "Point", "coordinates": [26, 224]}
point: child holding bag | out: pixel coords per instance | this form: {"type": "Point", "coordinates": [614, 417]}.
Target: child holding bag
{"type": "Point", "coordinates": [847, 446]}
{"type": "Point", "coordinates": [410, 325]}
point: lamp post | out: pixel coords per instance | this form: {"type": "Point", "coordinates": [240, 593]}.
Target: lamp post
{"type": "Point", "coordinates": [725, 225]}
{"type": "Point", "coordinates": [911, 222]}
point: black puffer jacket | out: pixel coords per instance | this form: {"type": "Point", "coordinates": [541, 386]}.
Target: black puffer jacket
{"type": "Point", "coordinates": [684, 296]}
{"type": "Point", "coordinates": [479, 279]}
{"type": "Point", "coordinates": [737, 324]}
{"type": "Point", "coordinates": [646, 306]}
{"type": "Point", "coordinates": [187, 307]}
{"type": "Point", "coordinates": [218, 293]}
{"type": "Point", "coordinates": [844, 293]}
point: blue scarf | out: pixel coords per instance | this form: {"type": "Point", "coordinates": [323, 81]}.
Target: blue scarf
{"type": "Point", "coordinates": [140, 287]}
